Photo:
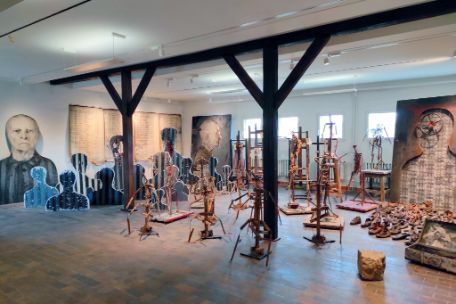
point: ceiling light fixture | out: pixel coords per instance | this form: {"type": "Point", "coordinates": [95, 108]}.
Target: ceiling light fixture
{"type": "Point", "coordinates": [287, 14]}
{"type": "Point", "coordinates": [100, 64]}
{"type": "Point", "coordinates": [340, 91]}
{"type": "Point", "coordinates": [326, 61]}
{"type": "Point", "coordinates": [161, 51]}
{"type": "Point", "coordinates": [249, 23]}
{"type": "Point", "coordinates": [292, 64]}
{"type": "Point", "coordinates": [193, 77]}
{"type": "Point", "coordinates": [168, 82]}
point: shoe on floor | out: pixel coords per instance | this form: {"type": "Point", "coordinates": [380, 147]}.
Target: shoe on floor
{"type": "Point", "coordinates": [401, 236]}
{"type": "Point", "coordinates": [356, 221]}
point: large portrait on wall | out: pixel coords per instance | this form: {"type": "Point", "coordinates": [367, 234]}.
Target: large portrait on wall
{"type": "Point", "coordinates": [22, 134]}
{"type": "Point", "coordinates": [211, 137]}
{"type": "Point", "coordinates": [424, 158]}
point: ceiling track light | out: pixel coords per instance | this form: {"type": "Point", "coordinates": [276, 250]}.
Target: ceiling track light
{"type": "Point", "coordinates": [161, 51]}
{"type": "Point", "coordinates": [326, 61]}
{"type": "Point", "coordinates": [292, 64]}
{"type": "Point", "coordinates": [168, 82]}
{"type": "Point", "coordinates": [193, 77]}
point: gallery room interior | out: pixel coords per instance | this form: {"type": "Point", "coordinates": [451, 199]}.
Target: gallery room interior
{"type": "Point", "coordinates": [227, 151]}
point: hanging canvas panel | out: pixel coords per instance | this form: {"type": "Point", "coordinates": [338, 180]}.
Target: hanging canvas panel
{"type": "Point", "coordinates": [22, 137]}
{"type": "Point", "coordinates": [211, 137]}
{"type": "Point", "coordinates": [424, 161]}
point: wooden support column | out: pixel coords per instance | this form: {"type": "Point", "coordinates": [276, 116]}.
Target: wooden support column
{"type": "Point", "coordinates": [127, 133]}
{"type": "Point", "coordinates": [127, 105]}
{"type": "Point", "coordinates": [270, 137]}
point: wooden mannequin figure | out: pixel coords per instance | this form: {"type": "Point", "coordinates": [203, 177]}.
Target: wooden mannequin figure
{"type": "Point", "coordinates": [41, 192]}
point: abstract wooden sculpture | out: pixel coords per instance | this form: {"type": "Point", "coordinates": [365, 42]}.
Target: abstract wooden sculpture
{"type": "Point", "coordinates": [257, 226]}
{"type": "Point", "coordinates": [208, 217]}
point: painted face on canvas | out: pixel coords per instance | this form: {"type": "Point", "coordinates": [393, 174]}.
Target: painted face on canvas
{"type": "Point", "coordinates": [22, 132]}
{"type": "Point", "coordinates": [210, 135]}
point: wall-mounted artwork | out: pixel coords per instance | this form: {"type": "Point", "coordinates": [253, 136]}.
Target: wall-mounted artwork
{"type": "Point", "coordinates": [424, 161]}
{"type": "Point", "coordinates": [22, 135]}
{"type": "Point", "coordinates": [91, 130]}
{"type": "Point", "coordinates": [211, 137]}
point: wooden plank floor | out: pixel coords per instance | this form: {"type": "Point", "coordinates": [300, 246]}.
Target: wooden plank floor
{"type": "Point", "coordinates": [87, 257]}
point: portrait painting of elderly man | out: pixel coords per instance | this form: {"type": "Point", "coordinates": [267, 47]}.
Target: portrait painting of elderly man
{"type": "Point", "coordinates": [211, 137]}
{"type": "Point", "coordinates": [22, 134]}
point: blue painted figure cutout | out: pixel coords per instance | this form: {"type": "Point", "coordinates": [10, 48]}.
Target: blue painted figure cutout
{"type": "Point", "coordinates": [180, 192]}
{"type": "Point", "coordinates": [84, 184]}
{"type": "Point", "coordinates": [41, 192]}
{"type": "Point", "coordinates": [68, 199]}
{"type": "Point", "coordinates": [186, 173]}
{"type": "Point", "coordinates": [107, 195]}
{"type": "Point", "coordinates": [139, 181]}
{"type": "Point", "coordinates": [213, 161]}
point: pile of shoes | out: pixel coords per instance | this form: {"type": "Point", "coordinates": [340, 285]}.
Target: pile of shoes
{"type": "Point", "coordinates": [403, 221]}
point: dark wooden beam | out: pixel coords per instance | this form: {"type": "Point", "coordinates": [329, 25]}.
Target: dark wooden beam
{"type": "Point", "coordinates": [112, 92]}
{"type": "Point", "coordinates": [148, 74]}
{"type": "Point", "coordinates": [369, 22]}
{"type": "Point", "coordinates": [270, 137]}
{"type": "Point", "coordinates": [127, 130]}
{"type": "Point", "coordinates": [301, 67]}
{"type": "Point", "coordinates": [244, 77]}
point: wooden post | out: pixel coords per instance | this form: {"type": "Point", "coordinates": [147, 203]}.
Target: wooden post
{"type": "Point", "coordinates": [270, 137]}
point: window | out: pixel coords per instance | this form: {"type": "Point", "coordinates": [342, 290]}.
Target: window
{"type": "Point", "coordinates": [326, 121]}
{"type": "Point", "coordinates": [287, 125]}
{"type": "Point", "coordinates": [252, 122]}
{"type": "Point", "coordinates": [381, 124]}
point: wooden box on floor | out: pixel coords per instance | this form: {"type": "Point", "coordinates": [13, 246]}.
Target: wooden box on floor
{"type": "Point", "coordinates": [436, 246]}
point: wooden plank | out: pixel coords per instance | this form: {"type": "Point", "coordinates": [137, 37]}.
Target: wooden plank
{"type": "Point", "coordinates": [301, 67]}
{"type": "Point", "coordinates": [270, 137]}
{"type": "Point", "coordinates": [246, 80]}
{"type": "Point", "coordinates": [358, 24]}
{"type": "Point", "coordinates": [112, 92]}
{"type": "Point", "coordinates": [141, 89]}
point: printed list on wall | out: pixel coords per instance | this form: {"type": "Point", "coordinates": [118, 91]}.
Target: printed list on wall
{"type": "Point", "coordinates": [91, 130]}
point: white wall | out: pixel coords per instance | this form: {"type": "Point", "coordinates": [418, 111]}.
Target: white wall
{"type": "Point", "coordinates": [354, 106]}
{"type": "Point", "coordinates": [49, 106]}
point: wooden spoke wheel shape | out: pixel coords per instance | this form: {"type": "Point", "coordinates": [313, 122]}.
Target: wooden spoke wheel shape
{"type": "Point", "coordinates": [430, 124]}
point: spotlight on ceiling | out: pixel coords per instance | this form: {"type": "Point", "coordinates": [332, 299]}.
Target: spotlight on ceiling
{"type": "Point", "coordinates": [168, 82]}
{"type": "Point", "coordinates": [292, 64]}
{"type": "Point", "coordinates": [326, 61]}
{"type": "Point", "coordinates": [161, 51]}
{"type": "Point", "coordinates": [193, 77]}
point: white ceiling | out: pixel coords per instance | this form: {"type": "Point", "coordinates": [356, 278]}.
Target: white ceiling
{"type": "Point", "coordinates": [43, 51]}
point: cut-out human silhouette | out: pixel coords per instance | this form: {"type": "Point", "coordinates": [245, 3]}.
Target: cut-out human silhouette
{"type": "Point", "coordinates": [180, 192]}
{"type": "Point", "coordinates": [68, 199]}
{"type": "Point", "coordinates": [226, 177]}
{"type": "Point", "coordinates": [116, 145]}
{"type": "Point", "coordinates": [213, 161]}
{"type": "Point", "coordinates": [41, 192]}
{"type": "Point", "coordinates": [139, 181]}
{"type": "Point", "coordinates": [186, 172]}
{"type": "Point", "coordinates": [84, 184]}
{"type": "Point", "coordinates": [107, 195]}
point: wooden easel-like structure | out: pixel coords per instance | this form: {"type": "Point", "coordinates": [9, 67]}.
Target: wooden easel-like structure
{"type": "Point", "coordinates": [208, 216]}
{"type": "Point", "coordinates": [299, 172]}
{"type": "Point", "coordinates": [257, 226]}
{"type": "Point", "coordinates": [331, 162]}
{"type": "Point", "coordinates": [241, 178]}
{"type": "Point", "coordinates": [255, 147]}
{"type": "Point", "coordinates": [322, 182]}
